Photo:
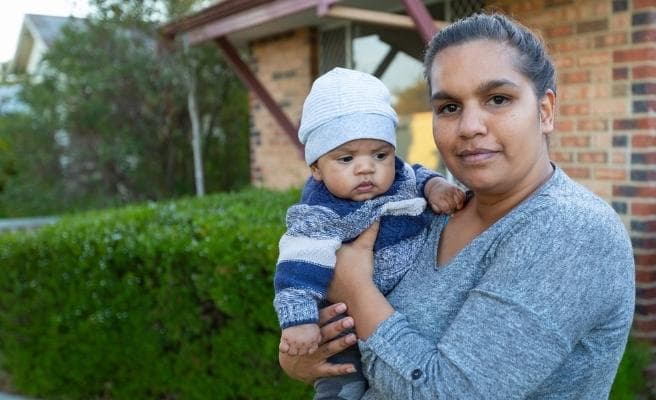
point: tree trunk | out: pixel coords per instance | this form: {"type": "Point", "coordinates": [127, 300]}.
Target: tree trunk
{"type": "Point", "coordinates": [195, 135]}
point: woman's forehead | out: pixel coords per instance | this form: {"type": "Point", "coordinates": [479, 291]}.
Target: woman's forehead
{"type": "Point", "coordinates": [473, 63]}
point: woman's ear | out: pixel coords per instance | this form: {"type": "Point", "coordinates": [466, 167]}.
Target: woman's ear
{"type": "Point", "coordinates": [316, 172]}
{"type": "Point", "coordinates": [547, 111]}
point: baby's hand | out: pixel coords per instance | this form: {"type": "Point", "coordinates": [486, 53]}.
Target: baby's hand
{"type": "Point", "coordinates": [443, 196]}
{"type": "Point", "coordinates": [300, 339]}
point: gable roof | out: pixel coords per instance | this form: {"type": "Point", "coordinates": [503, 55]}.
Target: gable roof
{"type": "Point", "coordinates": [43, 29]}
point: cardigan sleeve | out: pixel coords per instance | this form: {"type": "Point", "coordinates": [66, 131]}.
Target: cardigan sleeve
{"type": "Point", "coordinates": [423, 175]}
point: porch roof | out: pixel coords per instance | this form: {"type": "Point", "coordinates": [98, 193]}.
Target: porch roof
{"type": "Point", "coordinates": [230, 23]}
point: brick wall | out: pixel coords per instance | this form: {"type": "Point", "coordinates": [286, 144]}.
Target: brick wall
{"type": "Point", "coordinates": [605, 53]}
{"type": "Point", "coordinates": [286, 66]}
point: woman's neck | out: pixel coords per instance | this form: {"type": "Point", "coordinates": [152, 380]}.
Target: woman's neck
{"type": "Point", "coordinates": [490, 207]}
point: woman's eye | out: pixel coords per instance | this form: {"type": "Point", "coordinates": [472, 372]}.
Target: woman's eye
{"type": "Point", "coordinates": [499, 100]}
{"type": "Point", "coordinates": [345, 159]}
{"type": "Point", "coordinates": [447, 109]}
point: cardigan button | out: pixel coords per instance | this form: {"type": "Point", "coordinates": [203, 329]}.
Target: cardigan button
{"type": "Point", "coordinates": [416, 374]}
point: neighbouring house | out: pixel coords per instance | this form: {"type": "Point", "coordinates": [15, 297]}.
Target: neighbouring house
{"type": "Point", "coordinates": [37, 35]}
{"type": "Point", "coordinates": [605, 52]}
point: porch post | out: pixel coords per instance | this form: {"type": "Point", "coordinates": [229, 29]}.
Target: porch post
{"type": "Point", "coordinates": [251, 81]}
{"type": "Point", "coordinates": [422, 18]}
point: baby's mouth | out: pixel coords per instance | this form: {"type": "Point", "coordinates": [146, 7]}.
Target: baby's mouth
{"type": "Point", "coordinates": [365, 186]}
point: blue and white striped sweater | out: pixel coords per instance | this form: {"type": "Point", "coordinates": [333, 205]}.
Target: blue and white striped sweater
{"type": "Point", "coordinates": [321, 222]}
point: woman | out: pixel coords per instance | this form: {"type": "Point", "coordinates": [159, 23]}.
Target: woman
{"type": "Point", "coordinates": [528, 291]}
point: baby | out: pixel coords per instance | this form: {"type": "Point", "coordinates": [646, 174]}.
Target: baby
{"type": "Point", "coordinates": [348, 127]}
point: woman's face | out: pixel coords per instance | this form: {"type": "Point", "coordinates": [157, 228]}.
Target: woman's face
{"type": "Point", "coordinates": [487, 122]}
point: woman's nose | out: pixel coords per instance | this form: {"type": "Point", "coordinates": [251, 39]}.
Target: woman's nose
{"type": "Point", "coordinates": [472, 122]}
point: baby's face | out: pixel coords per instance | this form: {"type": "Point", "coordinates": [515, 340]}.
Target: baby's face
{"type": "Point", "coordinates": [357, 170]}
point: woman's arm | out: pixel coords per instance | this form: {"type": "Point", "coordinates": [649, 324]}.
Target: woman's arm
{"type": "Point", "coordinates": [353, 285]}
{"type": "Point", "coordinates": [519, 325]}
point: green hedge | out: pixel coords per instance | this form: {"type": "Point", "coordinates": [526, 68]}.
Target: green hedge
{"type": "Point", "coordinates": [160, 301]}
{"type": "Point", "coordinates": [166, 301]}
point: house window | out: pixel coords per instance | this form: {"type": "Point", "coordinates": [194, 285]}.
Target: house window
{"type": "Point", "coordinates": [394, 55]}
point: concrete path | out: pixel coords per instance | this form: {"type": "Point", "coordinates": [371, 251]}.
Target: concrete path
{"type": "Point", "coordinates": [13, 224]}
{"type": "Point", "coordinates": [5, 396]}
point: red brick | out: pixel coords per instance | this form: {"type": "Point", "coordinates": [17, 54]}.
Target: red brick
{"type": "Point", "coordinates": [561, 156]}
{"type": "Point", "coordinates": [643, 158]}
{"type": "Point", "coordinates": [645, 309]}
{"type": "Point", "coordinates": [615, 174]}
{"type": "Point", "coordinates": [643, 276]}
{"type": "Point", "coordinates": [644, 71]}
{"type": "Point", "coordinates": [596, 58]}
{"type": "Point", "coordinates": [643, 208]}
{"type": "Point", "coordinates": [276, 162]}
{"type": "Point", "coordinates": [576, 77]}
{"type": "Point", "coordinates": [609, 106]}
{"type": "Point", "coordinates": [634, 191]}
{"type": "Point", "coordinates": [565, 125]}
{"type": "Point", "coordinates": [595, 157]}
{"type": "Point", "coordinates": [601, 140]}
{"type": "Point", "coordinates": [647, 260]}
{"type": "Point", "coordinates": [620, 73]}
{"type": "Point", "coordinates": [643, 141]}
{"type": "Point", "coordinates": [559, 31]}
{"type": "Point", "coordinates": [592, 125]}
{"type": "Point", "coordinates": [592, 26]}
{"type": "Point", "coordinates": [645, 325]}
{"type": "Point", "coordinates": [575, 141]}
{"type": "Point", "coordinates": [635, 123]}
{"type": "Point", "coordinates": [610, 39]}
{"type": "Point", "coordinates": [564, 62]}
{"type": "Point", "coordinates": [647, 35]}
{"type": "Point", "coordinates": [644, 106]}
{"type": "Point", "coordinates": [575, 109]}
{"type": "Point", "coordinates": [638, 4]}
{"type": "Point", "coordinates": [643, 226]}
{"type": "Point", "coordinates": [641, 54]}
{"type": "Point", "coordinates": [617, 157]}
{"type": "Point", "coordinates": [577, 172]}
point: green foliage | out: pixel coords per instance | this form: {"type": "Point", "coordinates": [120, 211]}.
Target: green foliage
{"type": "Point", "coordinates": [162, 301]}
{"type": "Point", "coordinates": [159, 301]}
{"type": "Point", "coordinates": [108, 120]}
{"type": "Point", "coordinates": [630, 381]}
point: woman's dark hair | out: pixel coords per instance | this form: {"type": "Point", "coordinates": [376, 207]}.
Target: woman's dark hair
{"type": "Point", "coordinates": [533, 62]}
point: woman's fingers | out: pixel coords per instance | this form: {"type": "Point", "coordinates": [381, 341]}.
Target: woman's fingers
{"type": "Point", "coordinates": [309, 367]}
{"type": "Point", "coordinates": [367, 238]}
{"type": "Point", "coordinates": [329, 312]}
{"type": "Point", "coordinates": [330, 348]}
{"type": "Point", "coordinates": [333, 329]}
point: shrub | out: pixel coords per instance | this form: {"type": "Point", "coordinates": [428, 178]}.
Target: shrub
{"type": "Point", "coordinates": [630, 381]}
{"type": "Point", "coordinates": [160, 301]}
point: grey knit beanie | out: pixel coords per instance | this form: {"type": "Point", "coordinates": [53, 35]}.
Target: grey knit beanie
{"type": "Point", "coordinates": [345, 105]}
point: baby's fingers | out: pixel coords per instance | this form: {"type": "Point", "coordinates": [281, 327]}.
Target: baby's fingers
{"type": "Point", "coordinates": [283, 347]}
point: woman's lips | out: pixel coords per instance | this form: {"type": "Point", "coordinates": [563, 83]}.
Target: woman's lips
{"type": "Point", "coordinates": [477, 156]}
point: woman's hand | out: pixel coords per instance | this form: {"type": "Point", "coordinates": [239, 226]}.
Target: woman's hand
{"type": "Point", "coordinates": [309, 367]}
{"type": "Point", "coordinates": [354, 267]}
{"type": "Point", "coordinates": [353, 284]}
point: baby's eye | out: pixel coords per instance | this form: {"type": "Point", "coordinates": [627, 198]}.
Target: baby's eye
{"type": "Point", "coordinates": [380, 156]}
{"type": "Point", "coordinates": [345, 159]}
{"type": "Point", "coordinates": [499, 99]}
